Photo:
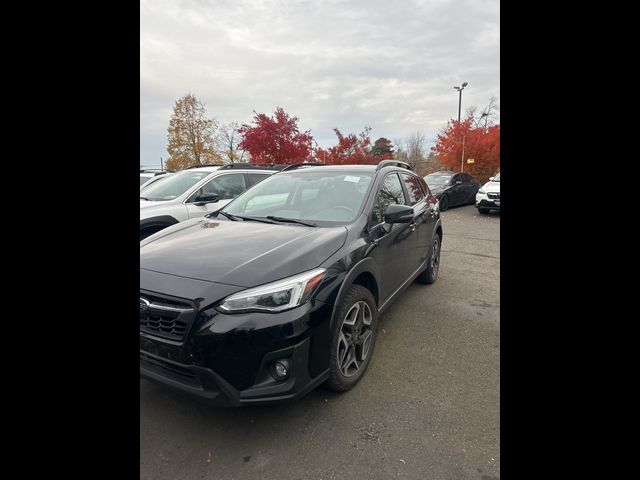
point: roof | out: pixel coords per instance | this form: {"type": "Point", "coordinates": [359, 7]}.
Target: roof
{"type": "Point", "coordinates": [443, 172]}
{"type": "Point", "coordinates": [333, 168]}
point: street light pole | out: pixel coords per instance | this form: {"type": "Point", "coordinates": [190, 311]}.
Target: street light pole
{"type": "Point", "coordinates": [460, 98]}
{"type": "Point", "coordinates": [460, 88]}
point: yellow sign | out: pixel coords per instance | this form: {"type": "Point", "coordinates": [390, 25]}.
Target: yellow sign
{"type": "Point", "coordinates": [470, 160]}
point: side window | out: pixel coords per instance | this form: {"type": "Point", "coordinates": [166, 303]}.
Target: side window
{"type": "Point", "coordinates": [390, 192]}
{"type": "Point", "coordinates": [225, 186]}
{"type": "Point", "coordinates": [414, 189]}
{"type": "Point", "coordinates": [256, 178]}
{"type": "Point", "coordinates": [425, 187]}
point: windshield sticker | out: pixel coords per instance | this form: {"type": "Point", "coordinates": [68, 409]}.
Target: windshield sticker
{"type": "Point", "coordinates": [349, 178]}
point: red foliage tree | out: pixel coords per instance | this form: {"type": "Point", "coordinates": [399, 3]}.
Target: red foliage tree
{"type": "Point", "coordinates": [275, 139]}
{"type": "Point", "coordinates": [483, 145]}
{"type": "Point", "coordinates": [351, 149]}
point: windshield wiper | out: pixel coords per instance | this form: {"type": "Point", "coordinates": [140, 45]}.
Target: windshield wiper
{"type": "Point", "coordinates": [290, 220]}
{"type": "Point", "coordinates": [255, 219]}
{"type": "Point", "coordinates": [144, 198]}
{"type": "Point", "coordinates": [228, 215]}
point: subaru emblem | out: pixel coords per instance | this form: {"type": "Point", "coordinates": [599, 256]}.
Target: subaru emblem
{"type": "Point", "coordinates": [144, 304]}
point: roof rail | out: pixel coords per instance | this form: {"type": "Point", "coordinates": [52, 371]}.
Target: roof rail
{"type": "Point", "coordinates": [155, 170]}
{"type": "Point", "coordinates": [294, 166]}
{"type": "Point", "coordinates": [204, 165]}
{"type": "Point", "coordinates": [388, 163]}
{"type": "Point", "coordinates": [249, 166]}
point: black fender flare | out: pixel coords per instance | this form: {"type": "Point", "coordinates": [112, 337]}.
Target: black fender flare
{"type": "Point", "coordinates": [165, 220]}
{"type": "Point", "coordinates": [435, 229]}
{"type": "Point", "coordinates": [366, 265]}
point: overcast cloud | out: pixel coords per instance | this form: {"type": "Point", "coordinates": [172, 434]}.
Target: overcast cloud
{"type": "Point", "coordinates": [388, 64]}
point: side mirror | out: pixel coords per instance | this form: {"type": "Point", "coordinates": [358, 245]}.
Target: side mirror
{"type": "Point", "coordinates": [491, 179]}
{"type": "Point", "coordinates": [458, 182]}
{"type": "Point", "coordinates": [204, 199]}
{"type": "Point", "coordinates": [398, 214]}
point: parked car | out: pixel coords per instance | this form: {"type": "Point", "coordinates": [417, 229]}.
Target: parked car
{"type": "Point", "coordinates": [488, 197]}
{"type": "Point", "coordinates": [149, 176]}
{"type": "Point", "coordinates": [282, 290]}
{"type": "Point", "coordinates": [193, 193]}
{"type": "Point", "coordinates": [452, 189]}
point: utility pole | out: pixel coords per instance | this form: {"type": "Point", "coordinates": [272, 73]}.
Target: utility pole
{"type": "Point", "coordinates": [161, 165]}
{"type": "Point", "coordinates": [462, 159]}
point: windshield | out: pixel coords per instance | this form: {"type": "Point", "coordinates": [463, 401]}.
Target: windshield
{"type": "Point", "coordinates": [328, 198]}
{"type": "Point", "coordinates": [437, 179]}
{"type": "Point", "coordinates": [143, 179]}
{"type": "Point", "coordinates": [497, 177]}
{"type": "Point", "coordinates": [173, 185]}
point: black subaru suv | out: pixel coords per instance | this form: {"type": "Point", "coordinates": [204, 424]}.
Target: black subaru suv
{"type": "Point", "coordinates": [281, 290]}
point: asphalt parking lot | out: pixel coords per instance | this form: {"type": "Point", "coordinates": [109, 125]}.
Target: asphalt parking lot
{"type": "Point", "coordinates": [428, 407]}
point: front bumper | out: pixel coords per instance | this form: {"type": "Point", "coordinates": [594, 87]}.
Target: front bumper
{"type": "Point", "coordinates": [226, 360]}
{"type": "Point", "coordinates": [483, 201]}
{"type": "Point", "coordinates": [205, 384]}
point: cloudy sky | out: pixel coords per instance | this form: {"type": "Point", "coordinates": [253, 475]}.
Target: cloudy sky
{"type": "Point", "coordinates": [388, 64]}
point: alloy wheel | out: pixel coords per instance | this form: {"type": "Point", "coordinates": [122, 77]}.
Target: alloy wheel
{"type": "Point", "coordinates": [354, 341]}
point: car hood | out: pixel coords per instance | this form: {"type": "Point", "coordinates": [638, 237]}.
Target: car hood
{"type": "Point", "coordinates": [244, 254]}
{"type": "Point", "coordinates": [491, 187]}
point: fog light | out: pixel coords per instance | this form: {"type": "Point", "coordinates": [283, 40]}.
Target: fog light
{"type": "Point", "coordinates": [280, 369]}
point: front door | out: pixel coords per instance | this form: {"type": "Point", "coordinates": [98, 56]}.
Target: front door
{"type": "Point", "coordinates": [226, 186]}
{"type": "Point", "coordinates": [396, 243]}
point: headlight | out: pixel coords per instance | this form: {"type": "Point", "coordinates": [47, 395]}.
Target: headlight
{"type": "Point", "coordinates": [481, 191]}
{"type": "Point", "coordinates": [277, 296]}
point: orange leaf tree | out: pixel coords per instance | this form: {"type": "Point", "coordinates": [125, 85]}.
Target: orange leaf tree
{"type": "Point", "coordinates": [481, 144]}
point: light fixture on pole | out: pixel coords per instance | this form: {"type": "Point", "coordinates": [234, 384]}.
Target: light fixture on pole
{"type": "Point", "coordinates": [460, 97]}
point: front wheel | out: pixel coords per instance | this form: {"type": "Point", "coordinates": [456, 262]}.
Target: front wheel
{"type": "Point", "coordinates": [433, 264]}
{"type": "Point", "coordinates": [444, 203]}
{"type": "Point", "coordinates": [483, 210]}
{"type": "Point", "coordinates": [353, 338]}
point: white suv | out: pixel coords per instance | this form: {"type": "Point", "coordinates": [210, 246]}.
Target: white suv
{"type": "Point", "coordinates": [147, 177]}
{"type": "Point", "coordinates": [193, 193]}
{"type": "Point", "coordinates": [488, 197]}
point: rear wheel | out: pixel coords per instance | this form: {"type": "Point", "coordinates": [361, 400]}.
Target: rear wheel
{"type": "Point", "coordinates": [353, 338]}
{"type": "Point", "coordinates": [433, 264]}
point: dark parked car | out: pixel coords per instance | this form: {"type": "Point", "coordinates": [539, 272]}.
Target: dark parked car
{"type": "Point", "coordinates": [281, 290]}
{"type": "Point", "coordinates": [453, 189]}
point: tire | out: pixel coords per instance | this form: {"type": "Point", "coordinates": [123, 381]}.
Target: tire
{"type": "Point", "coordinates": [444, 203]}
{"type": "Point", "coordinates": [344, 373]}
{"type": "Point", "coordinates": [430, 274]}
{"type": "Point", "coordinates": [483, 210]}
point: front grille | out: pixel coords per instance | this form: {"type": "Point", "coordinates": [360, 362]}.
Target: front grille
{"type": "Point", "coordinates": [166, 318]}
{"type": "Point", "coordinates": [169, 369]}
{"type": "Point", "coordinates": [494, 195]}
